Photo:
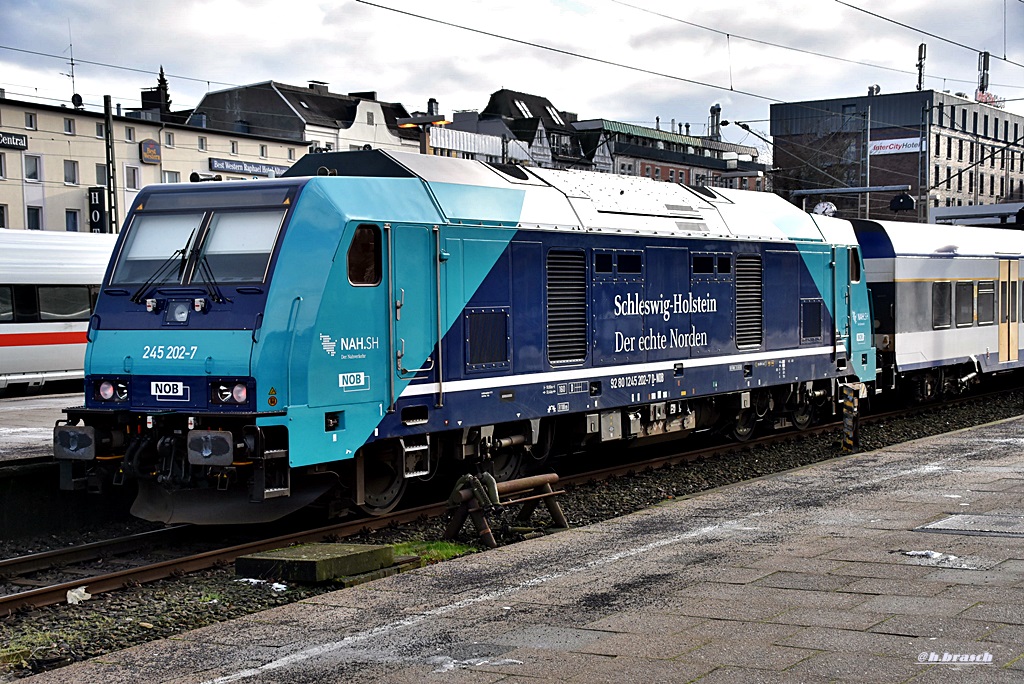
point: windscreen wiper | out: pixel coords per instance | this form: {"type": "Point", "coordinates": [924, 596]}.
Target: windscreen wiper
{"type": "Point", "coordinates": [206, 274]}
{"type": "Point", "coordinates": [164, 269]}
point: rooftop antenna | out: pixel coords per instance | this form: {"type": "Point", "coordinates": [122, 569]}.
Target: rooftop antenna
{"type": "Point", "coordinates": [76, 99]}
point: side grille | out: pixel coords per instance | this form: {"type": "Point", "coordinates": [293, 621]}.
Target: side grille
{"type": "Point", "coordinates": [749, 312]}
{"type": "Point", "coordinates": [567, 307]}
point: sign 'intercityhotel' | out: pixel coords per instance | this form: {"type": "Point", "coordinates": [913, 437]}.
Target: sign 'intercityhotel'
{"type": "Point", "coordinates": [895, 146]}
{"type": "Point", "coordinates": [15, 141]}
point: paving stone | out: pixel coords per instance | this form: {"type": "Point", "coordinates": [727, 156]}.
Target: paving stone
{"type": "Point", "coordinates": [743, 675]}
{"type": "Point", "coordinates": [839, 619]}
{"type": "Point", "coordinates": [853, 667]}
{"type": "Point", "coordinates": [759, 656]}
{"type": "Point", "coordinates": [914, 605]}
{"type": "Point", "coordinates": [635, 670]}
{"type": "Point", "coordinates": [653, 646]}
{"type": "Point", "coordinates": [935, 627]}
{"type": "Point", "coordinates": [644, 622]}
{"type": "Point", "coordinates": [805, 580]}
{"type": "Point", "coordinates": [896, 587]}
{"type": "Point", "coordinates": [893, 569]}
{"type": "Point", "coordinates": [979, 577]}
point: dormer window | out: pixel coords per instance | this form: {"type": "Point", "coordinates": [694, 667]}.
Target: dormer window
{"type": "Point", "coordinates": [554, 116]}
{"type": "Point", "coordinates": [523, 109]}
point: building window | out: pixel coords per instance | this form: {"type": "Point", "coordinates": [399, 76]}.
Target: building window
{"type": "Point", "coordinates": [938, 144]}
{"type": "Point", "coordinates": [291, 154]}
{"type": "Point", "coordinates": [30, 121]}
{"type": "Point", "coordinates": [101, 130]}
{"type": "Point", "coordinates": [101, 174]}
{"type": "Point", "coordinates": [952, 117]}
{"type": "Point", "coordinates": [949, 148]}
{"type": "Point", "coordinates": [33, 168]}
{"type": "Point", "coordinates": [169, 139]}
{"type": "Point", "coordinates": [369, 118]}
{"type": "Point", "coordinates": [70, 172]}
{"type": "Point", "coordinates": [34, 218]}
{"type": "Point", "coordinates": [71, 220]}
{"type": "Point", "coordinates": [672, 175]}
{"type": "Point", "coordinates": [657, 173]}
{"type": "Point", "coordinates": [960, 150]}
{"type": "Point", "coordinates": [948, 178]}
{"type": "Point", "coordinates": [234, 147]}
{"type": "Point", "coordinates": [3, 216]}
{"type": "Point", "coordinates": [263, 151]}
{"type": "Point", "coordinates": [555, 116]}
{"type": "Point", "coordinates": [201, 144]}
{"type": "Point", "coordinates": [171, 177]}
{"type": "Point", "coordinates": [129, 133]}
{"type": "Point", "coordinates": [3, 165]}
{"type": "Point", "coordinates": [523, 109]}
{"type": "Point", "coordinates": [69, 126]}
{"type": "Point", "coordinates": [992, 185]}
{"type": "Point", "coordinates": [935, 179]}
{"type": "Point", "coordinates": [131, 177]}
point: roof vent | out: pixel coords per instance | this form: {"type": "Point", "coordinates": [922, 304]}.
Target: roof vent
{"type": "Point", "coordinates": [319, 87]}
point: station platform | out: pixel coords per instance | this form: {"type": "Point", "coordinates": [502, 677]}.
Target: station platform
{"type": "Point", "coordinates": [905, 564]}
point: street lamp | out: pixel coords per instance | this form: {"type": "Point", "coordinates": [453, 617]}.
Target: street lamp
{"type": "Point", "coordinates": [423, 122]}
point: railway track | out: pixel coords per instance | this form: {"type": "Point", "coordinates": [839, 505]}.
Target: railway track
{"type": "Point", "coordinates": [18, 571]}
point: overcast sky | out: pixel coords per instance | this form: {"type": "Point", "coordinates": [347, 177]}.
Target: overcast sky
{"type": "Point", "coordinates": [629, 60]}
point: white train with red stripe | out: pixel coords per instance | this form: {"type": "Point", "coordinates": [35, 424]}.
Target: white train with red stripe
{"type": "Point", "coordinates": [48, 286]}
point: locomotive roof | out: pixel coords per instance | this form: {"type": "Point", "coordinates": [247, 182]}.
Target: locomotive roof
{"type": "Point", "coordinates": [53, 258]}
{"type": "Point", "coordinates": [475, 192]}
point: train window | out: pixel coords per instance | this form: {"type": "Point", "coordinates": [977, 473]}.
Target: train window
{"type": "Point", "coordinates": [239, 244]}
{"type": "Point", "coordinates": [629, 263]}
{"type": "Point", "coordinates": [810, 320]}
{"type": "Point", "coordinates": [941, 312]}
{"type": "Point", "coordinates": [151, 243]}
{"type": "Point", "coordinates": [854, 265]}
{"type": "Point", "coordinates": [603, 263]}
{"type": "Point", "coordinates": [986, 302]}
{"type": "Point", "coordinates": [63, 303]}
{"type": "Point", "coordinates": [703, 263]}
{"type": "Point", "coordinates": [487, 339]}
{"type": "Point", "coordinates": [724, 265]}
{"type": "Point", "coordinates": [364, 256]}
{"type": "Point", "coordinates": [6, 304]}
{"type": "Point", "coordinates": [964, 304]}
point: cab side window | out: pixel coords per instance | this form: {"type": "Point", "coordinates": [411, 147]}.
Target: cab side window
{"type": "Point", "coordinates": [364, 256]}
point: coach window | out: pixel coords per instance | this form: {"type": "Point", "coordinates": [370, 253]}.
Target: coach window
{"type": "Point", "coordinates": [6, 304]}
{"type": "Point", "coordinates": [364, 256]}
{"type": "Point", "coordinates": [63, 303]}
{"type": "Point", "coordinates": [941, 314]}
{"type": "Point", "coordinates": [964, 304]}
{"type": "Point", "coordinates": [986, 302]}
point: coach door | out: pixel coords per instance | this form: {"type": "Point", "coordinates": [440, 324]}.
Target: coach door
{"type": "Point", "coordinates": [413, 274]}
{"type": "Point", "coordinates": [1009, 273]}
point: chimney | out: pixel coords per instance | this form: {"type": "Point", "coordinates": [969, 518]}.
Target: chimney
{"type": "Point", "coordinates": [657, 123]}
{"type": "Point", "coordinates": [432, 107]}
{"type": "Point", "coordinates": [672, 128]}
{"type": "Point", "coordinates": [715, 130]}
{"type": "Point", "coordinates": [687, 124]}
{"type": "Point", "coordinates": [318, 87]}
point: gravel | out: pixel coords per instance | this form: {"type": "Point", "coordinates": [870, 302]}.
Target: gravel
{"type": "Point", "coordinates": [51, 637]}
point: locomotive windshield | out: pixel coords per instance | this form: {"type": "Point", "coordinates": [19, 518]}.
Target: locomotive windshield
{"type": "Point", "coordinates": [229, 245]}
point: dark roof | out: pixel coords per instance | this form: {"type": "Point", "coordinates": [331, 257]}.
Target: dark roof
{"type": "Point", "coordinates": [283, 108]}
{"type": "Point", "coordinates": [374, 163]}
{"type": "Point", "coordinates": [504, 103]}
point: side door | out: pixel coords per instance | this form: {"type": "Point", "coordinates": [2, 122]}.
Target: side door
{"type": "Point", "coordinates": [413, 276]}
{"type": "Point", "coordinates": [1009, 276]}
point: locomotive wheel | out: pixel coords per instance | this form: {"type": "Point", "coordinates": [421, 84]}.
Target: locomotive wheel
{"type": "Point", "coordinates": [742, 430]}
{"type": "Point", "coordinates": [384, 481]}
{"type": "Point", "coordinates": [803, 416]}
{"type": "Point", "coordinates": [508, 464]}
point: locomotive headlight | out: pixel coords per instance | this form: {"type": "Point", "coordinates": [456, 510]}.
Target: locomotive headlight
{"type": "Point", "coordinates": [177, 312]}
{"type": "Point", "coordinates": [112, 391]}
{"type": "Point", "coordinates": [106, 390]}
{"type": "Point", "coordinates": [229, 393]}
